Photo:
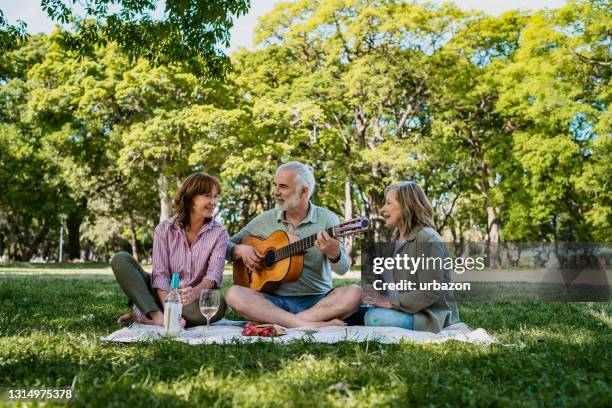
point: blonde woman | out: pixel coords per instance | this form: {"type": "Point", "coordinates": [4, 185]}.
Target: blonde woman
{"type": "Point", "coordinates": [409, 212]}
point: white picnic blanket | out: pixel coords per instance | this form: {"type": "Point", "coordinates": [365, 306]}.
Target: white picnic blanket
{"type": "Point", "coordinates": [227, 331]}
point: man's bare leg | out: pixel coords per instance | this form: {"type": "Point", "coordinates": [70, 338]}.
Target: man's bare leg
{"type": "Point", "coordinates": [252, 305]}
{"type": "Point", "coordinates": [339, 304]}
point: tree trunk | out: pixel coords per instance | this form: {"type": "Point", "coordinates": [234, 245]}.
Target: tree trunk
{"type": "Point", "coordinates": [45, 249]}
{"type": "Point", "coordinates": [40, 237]}
{"type": "Point", "coordinates": [87, 250]}
{"type": "Point", "coordinates": [492, 248]}
{"type": "Point", "coordinates": [493, 238]}
{"type": "Point", "coordinates": [378, 230]}
{"type": "Point", "coordinates": [164, 199]}
{"type": "Point", "coordinates": [376, 201]}
{"type": "Point", "coordinates": [133, 239]}
{"type": "Point", "coordinates": [456, 244]}
{"type": "Point", "coordinates": [73, 222]}
{"type": "Point", "coordinates": [556, 234]}
{"type": "Point", "coordinates": [348, 214]}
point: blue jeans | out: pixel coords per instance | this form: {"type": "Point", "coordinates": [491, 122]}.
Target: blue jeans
{"type": "Point", "coordinates": [378, 316]}
{"type": "Point", "coordinates": [295, 304]}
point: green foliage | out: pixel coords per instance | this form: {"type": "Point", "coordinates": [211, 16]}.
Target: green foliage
{"type": "Point", "coordinates": [11, 35]}
{"type": "Point", "coordinates": [555, 92]}
{"type": "Point", "coordinates": [495, 116]}
{"type": "Point", "coordinates": [503, 120]}
{"type": "Point", "coordinates": [111, 129]}
{"type": "Point", "coordinates": [187, 32]}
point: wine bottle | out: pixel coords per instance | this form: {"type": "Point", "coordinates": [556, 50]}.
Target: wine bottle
{"type": "Point", "coordinates": [173, 309]}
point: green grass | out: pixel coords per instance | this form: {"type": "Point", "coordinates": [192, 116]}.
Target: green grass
{"type": "Point", "coordinates": [51, 320]}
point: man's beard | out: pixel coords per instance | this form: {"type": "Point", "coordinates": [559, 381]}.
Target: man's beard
{"type": "Point", "coordinates": [290, 203]}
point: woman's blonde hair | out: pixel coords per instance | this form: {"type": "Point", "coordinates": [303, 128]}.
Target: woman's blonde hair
{"type": "Point", "coordinates": [416, 209]}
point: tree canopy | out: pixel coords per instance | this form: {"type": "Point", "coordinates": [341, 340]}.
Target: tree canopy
{"type": "Point", "coordinates": [503, 120]}
{"type": "Point", "coordinates": [188, 31]}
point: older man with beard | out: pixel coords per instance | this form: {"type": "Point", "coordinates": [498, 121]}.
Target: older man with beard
{"type": "Point", "coordinates": [310, 301]}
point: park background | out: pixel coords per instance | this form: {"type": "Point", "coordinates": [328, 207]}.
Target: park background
{"type": "Point", "coordinates": [501, 117]}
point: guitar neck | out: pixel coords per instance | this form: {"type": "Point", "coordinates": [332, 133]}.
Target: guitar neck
{"type": "Point", "coordinates": [298, 247]}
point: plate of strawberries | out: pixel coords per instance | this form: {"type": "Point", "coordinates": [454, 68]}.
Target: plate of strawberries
{"type": "Point", "coordinates": [263, 330]}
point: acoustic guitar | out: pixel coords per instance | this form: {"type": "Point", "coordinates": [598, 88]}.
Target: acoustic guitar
{"type": "Point", "coordinates": [283, 259]}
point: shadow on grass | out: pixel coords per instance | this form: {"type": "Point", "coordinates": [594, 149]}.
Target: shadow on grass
{"type": "Point", "coordinates": [78, 303]}
{"type": "Point", "coordinates": [62, 265]}
{"type": "Point", "coordinates": [51, 328]}
{"type": "Point", "coordinates": [165, 372]}
{"type": "Point", "coordinates": [497, 317]}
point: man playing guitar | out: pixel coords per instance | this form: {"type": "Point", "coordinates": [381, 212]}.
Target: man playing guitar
{"type": "Point", "coordinates": [309, 301]}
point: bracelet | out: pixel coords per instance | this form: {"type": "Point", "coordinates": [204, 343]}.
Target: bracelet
{"type": "Point", "coordinates": [337, 259]}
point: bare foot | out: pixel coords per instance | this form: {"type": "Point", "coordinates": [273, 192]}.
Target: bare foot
{"type": "Point", "coordinates": [336, 322]}
{"type": "Point", "coordinates": [316, 325]}
{"type": "Point", "coordinates": [158, 320]}
{"type": "Point", "coordinates": [130, 318]}
{"type": "Point", "coordinates": [125, 318]}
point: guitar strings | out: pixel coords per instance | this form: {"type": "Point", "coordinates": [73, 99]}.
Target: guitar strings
{"type": "Point", "coordinates": [296, 247]}
{"type": "Point", "coordinates": [271, 257]}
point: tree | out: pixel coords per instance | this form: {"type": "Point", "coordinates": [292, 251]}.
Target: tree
{"type": "Point", "coordinates": [189, 31]}
{"type": "Point", "coordinates": [117, 132]}
{"type": "Point", "coordinates": [556, 92]}
{"type": "Point", "coordinates": [355, 82]}
{"type": "Point", "coordinates": [503, 120]}
{"type": "Point", "coordinates": [112, 121]}
{"type": "Point", "coordinates": [470, 143]}
{"type": "Point", "coordinates": [30, 202]}
{"type": "Point", "coordinates": [71, 107]}
{"type": "Point", "coordinates": [11, 35]}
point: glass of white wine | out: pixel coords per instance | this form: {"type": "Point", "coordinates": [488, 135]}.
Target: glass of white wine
{"type": "Point", "coordinates": [209, 304]}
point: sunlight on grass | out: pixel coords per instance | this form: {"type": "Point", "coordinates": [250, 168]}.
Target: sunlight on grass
{"type": "Point", "coordinates": [51, 324]}
{"type": "Point", "coordinates": [602, 316]}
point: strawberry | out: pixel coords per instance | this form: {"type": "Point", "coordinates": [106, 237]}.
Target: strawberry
{"type": "Point", "coordinates": [267, 332]}
{"type": "Point", "coordinates": [250, 331]}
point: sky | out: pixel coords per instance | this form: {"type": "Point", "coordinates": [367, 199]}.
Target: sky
{"type": "Point", "coordinates": [242, 33]}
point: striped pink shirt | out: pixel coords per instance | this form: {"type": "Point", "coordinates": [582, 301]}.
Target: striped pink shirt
{"type": "Point", "coordinates": [171, 253]}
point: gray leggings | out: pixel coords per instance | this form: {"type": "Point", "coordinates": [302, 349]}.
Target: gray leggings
{"type": "Point", "coordinates": [136, 284]}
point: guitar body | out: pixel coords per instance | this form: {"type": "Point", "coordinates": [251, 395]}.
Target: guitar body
{"type": "Point", "coordinates": [284, 256]}
{"type": "Point", "coordinates": [268, 278]}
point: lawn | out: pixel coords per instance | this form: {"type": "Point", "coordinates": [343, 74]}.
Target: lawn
{"type": "Point", "coordinates": [51, 320]}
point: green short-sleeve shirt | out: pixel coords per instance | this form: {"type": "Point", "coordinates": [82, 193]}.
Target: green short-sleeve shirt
{"type": "Point", "coordinates": [316, 276]}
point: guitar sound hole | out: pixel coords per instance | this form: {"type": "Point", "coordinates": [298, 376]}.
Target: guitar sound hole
{"type": "Point", "coordinates": [268, 259]}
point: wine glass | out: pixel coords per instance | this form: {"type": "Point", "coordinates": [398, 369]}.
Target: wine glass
{"type": "Point", "coordinates": [209, 304]}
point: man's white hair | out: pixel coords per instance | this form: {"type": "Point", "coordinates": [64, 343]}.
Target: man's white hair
{"type": "Point", "coordinates": [304, 175]}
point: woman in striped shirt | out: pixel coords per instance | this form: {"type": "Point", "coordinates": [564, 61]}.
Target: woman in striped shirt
{"type": "Point", "coordinates": [191, 243]}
